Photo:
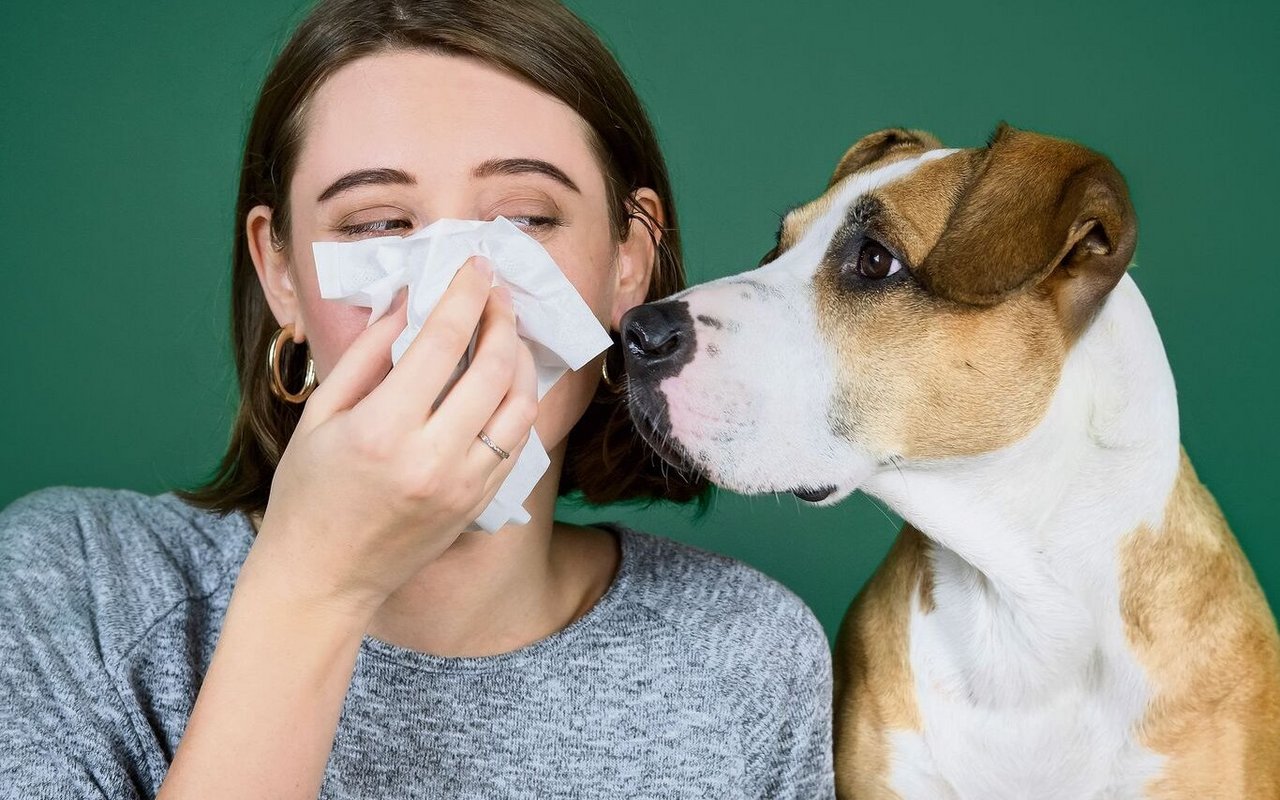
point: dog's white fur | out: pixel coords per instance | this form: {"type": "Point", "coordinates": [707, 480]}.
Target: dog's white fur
{"type": "Point", "coordinates": [1025, 650]}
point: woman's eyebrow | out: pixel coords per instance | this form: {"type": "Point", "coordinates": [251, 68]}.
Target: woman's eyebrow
{"type": "Point", "coordinates": [366, 177]}
{"type": "Point", "coordinates": [519, 166]}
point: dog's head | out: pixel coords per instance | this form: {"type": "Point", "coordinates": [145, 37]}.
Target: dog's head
{"type": "Point", "coordinates": [920, 308]}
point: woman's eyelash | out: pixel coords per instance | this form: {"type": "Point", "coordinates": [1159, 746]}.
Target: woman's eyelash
{"type": "Point", "coordinates": [531, 221]}
{"type": "Point", "coordinates": [377, 226]}
{"type": "Point", "coordinates": [385, 225]}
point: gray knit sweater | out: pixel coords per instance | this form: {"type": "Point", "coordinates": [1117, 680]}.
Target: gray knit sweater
{"type": "Point", "coordinates": [694, 676]}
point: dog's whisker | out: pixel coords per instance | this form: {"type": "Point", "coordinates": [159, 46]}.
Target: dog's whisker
{"type": "Point", "coordinates": [895, 526]}
{"type": "Point", "coordinates": [896, 461]}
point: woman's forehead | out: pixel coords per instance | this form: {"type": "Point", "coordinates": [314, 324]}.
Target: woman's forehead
{"type": "Point", "coordinates": [439, 115]}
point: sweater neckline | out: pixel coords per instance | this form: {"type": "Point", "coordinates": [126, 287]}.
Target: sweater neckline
{"type": "Point", "coordinates": [430, 662]}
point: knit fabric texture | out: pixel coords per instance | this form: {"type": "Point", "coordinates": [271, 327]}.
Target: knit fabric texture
{"type": "Point", "coordinates": [694, 676]}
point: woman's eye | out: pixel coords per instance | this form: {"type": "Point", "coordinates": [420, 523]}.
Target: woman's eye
{"type": "Point", "coordinates": [381, 227]}
{"type": "Point", "coordinates": [876, 262]}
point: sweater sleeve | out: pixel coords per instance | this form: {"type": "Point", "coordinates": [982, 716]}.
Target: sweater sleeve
{"type": "Point", "coordinates": [796, 760]}
{"type": "Point", "coordinates": [65, 730]}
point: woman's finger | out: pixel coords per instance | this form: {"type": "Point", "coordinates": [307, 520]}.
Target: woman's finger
{"type": "Point", "coordinates": [510, 424]}
{"type": "Point", "coordinates": [359, 369]}
{"type": "Point", "coordinates": [476, 395]}
{"type": "Point", "coordinates": [410, 388]}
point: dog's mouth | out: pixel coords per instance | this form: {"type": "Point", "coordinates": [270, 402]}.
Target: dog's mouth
{"type": "Point", "coordinates": [814, 495]}
{"type": "Point", "coordinates": [649, 416]}
{"type": "Point", "coordinates": [654, 434]}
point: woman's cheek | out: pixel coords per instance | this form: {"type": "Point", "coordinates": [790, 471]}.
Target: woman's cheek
{"type": "Point", "coordinates": [565, 403]}
{"type": "Point", "coordinates": [588, 262]}
{"type": "Point", "coordinates": [592, 277]}
{"type": "Point", "coordinates": [331, 327]}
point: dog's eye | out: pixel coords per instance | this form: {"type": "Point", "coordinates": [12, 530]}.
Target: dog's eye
{"type": "Point", "coordinates": [875, 261]}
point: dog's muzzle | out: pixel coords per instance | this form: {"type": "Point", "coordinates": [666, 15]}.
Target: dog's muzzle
{"type": "Point", "coordinates": [657, 342]}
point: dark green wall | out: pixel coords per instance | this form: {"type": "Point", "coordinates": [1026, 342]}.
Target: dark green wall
{"type": "Point", "coordinates": [120, 140]}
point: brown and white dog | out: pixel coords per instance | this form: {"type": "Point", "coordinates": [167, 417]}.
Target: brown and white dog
{"type": "Point", "coordinates": [1066, 613]}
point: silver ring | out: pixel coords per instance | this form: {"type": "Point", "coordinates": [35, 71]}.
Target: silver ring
{"type": "Point", "coordinates": [484, 437]}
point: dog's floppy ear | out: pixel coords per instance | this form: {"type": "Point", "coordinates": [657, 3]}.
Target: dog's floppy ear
{"type": "Point", "coordinates": [880, 145]}
{"type": "Point", "coordinates": [1035, 206]}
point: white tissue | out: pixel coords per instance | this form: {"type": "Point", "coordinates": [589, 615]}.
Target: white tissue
{"type": "Point", "coordinates": [551, 316]}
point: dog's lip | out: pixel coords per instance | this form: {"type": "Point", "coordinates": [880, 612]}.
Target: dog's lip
{"type": "Point", "coordinates": [814, 495]}
{"type": "Point", "coordinates": [665, 450]}
{"type": "Point", "coordinates": [662, 445]}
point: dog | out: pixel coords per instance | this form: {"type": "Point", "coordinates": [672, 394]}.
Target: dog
{"type": "Point", "coordinates": [1065, 613]}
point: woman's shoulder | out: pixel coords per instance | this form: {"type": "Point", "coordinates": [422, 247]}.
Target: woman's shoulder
{"type": "Point", "coordinates": [113, 559]}
{"type": "Point", "coordinates": [121, 525]}
{"type": "Point", "coordinates": [719, 598]}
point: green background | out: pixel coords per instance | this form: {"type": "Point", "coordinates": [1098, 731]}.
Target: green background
{"type": "Point", "coordinates": [122, 128]}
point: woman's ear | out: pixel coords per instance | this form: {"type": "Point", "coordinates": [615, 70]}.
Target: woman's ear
{"type": "Point", "coordinates": [638, 252]}
{"type": "Point", "coordinates": [272, 265]}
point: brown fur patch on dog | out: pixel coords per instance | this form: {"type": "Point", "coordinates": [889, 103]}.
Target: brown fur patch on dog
{"type": "Point", "coordinates": [1037, 207]}
{"type": "Point", "coordinates": [800, 219]}
{"type": "Point", "coordinates": [924, 375]}
{"type": "Point", "coordinates": [874, 691]}
{"type": "Point", "coordinates": [915, 209]}
{"type": "Point", "coordinates": [872, 151]}
{"type": "Point", "coordinates": [1200, 626]}
{"type": "Point", "coordinates": [880, 148]}
{"type": "Point", "coordinates": [922, 378]}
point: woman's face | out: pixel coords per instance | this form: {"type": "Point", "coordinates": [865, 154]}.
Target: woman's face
{"type": "Point", "coordinates": [450, 137]}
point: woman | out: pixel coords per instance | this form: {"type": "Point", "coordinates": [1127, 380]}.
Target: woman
{"type": "Point", "coordinates": [316, 620]}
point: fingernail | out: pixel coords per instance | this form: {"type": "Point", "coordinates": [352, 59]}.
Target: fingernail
{"type": "Point", "coordinates": [503, 293]}
{"type": "Point", "coordinates": [484, 266]}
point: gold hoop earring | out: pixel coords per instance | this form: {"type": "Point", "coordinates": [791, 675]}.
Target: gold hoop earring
{"type": "Point", "coordinates": [274, 351]}
{"type": "Point", "coordinates": [610, 383]}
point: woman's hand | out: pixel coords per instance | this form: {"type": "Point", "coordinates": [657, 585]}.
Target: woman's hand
{"type": "Point", "coordinates": [374, 485]}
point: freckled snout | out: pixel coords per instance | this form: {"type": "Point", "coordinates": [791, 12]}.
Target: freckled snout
{"type": "Point", "coordinates": [657, 339]}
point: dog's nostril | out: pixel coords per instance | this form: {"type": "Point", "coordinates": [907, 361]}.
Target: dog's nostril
{"type": "Point", "coordinates": [653, 343]}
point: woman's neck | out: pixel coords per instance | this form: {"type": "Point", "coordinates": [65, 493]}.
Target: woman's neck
{"type": "Point", "coordinates": [494, 593]}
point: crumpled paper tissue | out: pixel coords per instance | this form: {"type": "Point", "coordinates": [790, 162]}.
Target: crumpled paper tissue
{"type": "Point", "coordinates": [552, 318]}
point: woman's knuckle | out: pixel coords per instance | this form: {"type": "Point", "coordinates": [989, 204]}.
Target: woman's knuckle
{"type": "Point", "coordinates": [494, 368]}
{"type": "Point", "coordinates": [371, 442]}
{"type": "Point", "coordinates": [418, 479]}
{"type": "Point", "coordinates": [452, 335]}
{"type": "Point", "coordinates": [459, 498]}
{"type": "Point", "coordinates": [524, 354]}
{"type": "Point", "coordinates": [525, 410]}
{"type": "Point", "coordinates": [469, 488]}
{"type": "Point", "coordinates": [424, 485]}
{"type": "Point", "coordinates": [504, 361]}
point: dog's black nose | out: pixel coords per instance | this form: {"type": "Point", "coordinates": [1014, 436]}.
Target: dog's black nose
{"type": "Point", "coordinates": [657, 337]}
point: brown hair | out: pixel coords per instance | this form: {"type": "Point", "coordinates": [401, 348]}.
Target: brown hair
{"type": "Point", "coordinates": [537, 40]}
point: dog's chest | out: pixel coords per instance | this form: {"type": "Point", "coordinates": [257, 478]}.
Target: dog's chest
{"type": "Point", "coordinates": [998, 722]}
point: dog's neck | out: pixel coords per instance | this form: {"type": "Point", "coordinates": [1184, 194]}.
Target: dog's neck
{"type": "Point", "coordinates": [1027, 537]}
